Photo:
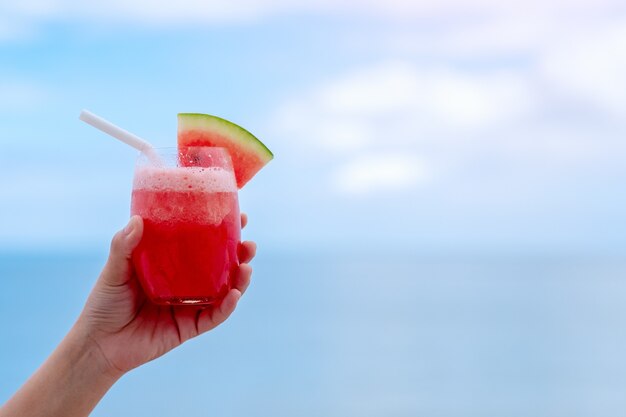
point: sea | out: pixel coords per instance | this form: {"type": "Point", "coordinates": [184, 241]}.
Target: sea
{"type": "Point", "coordinates": [328, 333]}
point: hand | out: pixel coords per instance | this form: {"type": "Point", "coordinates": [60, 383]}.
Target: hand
{"type": "Point", "coordinates": [127, 328]}
{"type": "Point", "coordinates": [118, 330]}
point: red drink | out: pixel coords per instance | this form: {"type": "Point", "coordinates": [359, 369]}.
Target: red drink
{"type": "Point", "coordinates": [191, 231]}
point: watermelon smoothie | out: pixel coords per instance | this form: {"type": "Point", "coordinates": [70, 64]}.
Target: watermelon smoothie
{"type": "Point", "coordinates": [192, 226]}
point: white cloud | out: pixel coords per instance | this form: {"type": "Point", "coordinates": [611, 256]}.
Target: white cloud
{"type": "Point", "coordinates": [591, 67]}
{"type": "Point", "coordinates": [477, 100]}
{"type": "Point", "coordinates": [396, 103]}
{"type": "Point", "coordinates": [488, 128]}
{"type": "Point", "coordinates": [305, 120]}
{"type": "Point", "coordinates": [343, 135]}
{"type": "Point", "coordinates": [386, 88]}
{"type": "Point", "coordinates": [165, 13]}
{"type": "Point", "coordinates": [380, 173]}
{"type": "Point", "coordinates": [183, 12]}
{"type": "Point", "coordinates": [380, 117]}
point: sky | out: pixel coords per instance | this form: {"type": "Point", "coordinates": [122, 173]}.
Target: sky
{"type": "Point", "coordinates": [399, 127]}
{"type": "Point", "coordinates": [396, 124]}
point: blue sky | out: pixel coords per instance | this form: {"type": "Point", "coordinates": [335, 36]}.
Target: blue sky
{"type": "Point", "coordinates": [397, 123]}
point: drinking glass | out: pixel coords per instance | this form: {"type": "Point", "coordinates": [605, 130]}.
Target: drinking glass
{"type": "Point", "coordinates": [189, 205]}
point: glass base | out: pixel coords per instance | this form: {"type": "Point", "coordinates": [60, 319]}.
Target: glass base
{"type": "Point", "coordinates": [185, 301]}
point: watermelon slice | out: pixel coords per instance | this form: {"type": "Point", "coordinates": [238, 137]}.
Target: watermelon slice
{"type": "Point", "coordinates": [248, 153]}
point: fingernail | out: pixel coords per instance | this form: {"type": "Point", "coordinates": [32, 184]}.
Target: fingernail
{"type": "Point", "coordinates": [129, 227]}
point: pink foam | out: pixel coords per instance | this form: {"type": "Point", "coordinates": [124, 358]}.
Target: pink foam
{"type": "Point", "coordinates": [197, 179]}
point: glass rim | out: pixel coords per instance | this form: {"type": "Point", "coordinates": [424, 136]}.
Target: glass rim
{"type": "Point", "coordinates": [166, 148]}
{"type": "Point", "coordinates": [170, 156]}
{"type": "Point", "coordinates": [172, 150]}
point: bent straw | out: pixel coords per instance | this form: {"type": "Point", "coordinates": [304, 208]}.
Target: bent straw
{"type": "Point", "coordinates": [119, 134]}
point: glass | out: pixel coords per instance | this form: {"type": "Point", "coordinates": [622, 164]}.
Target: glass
{"type": "Point", "coordinates": [189, 205]}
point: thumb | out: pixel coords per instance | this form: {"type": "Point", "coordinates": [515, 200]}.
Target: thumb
{"type": "Point", "coordinates": [119, 268]}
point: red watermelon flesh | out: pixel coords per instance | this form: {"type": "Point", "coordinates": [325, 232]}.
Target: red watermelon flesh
{"type": "Point", "coordinates": [248, 153]}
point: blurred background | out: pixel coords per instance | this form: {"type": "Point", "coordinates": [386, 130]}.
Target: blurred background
{"type": "Point", "coordinates": [442, 231]}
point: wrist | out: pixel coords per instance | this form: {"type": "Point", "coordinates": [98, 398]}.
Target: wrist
{"type": "Point", "coordinates": [86, 347]}
{"type": "Point", "coordinates": [69, 384]}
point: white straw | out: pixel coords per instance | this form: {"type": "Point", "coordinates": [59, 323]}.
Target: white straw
{"type": "Point", "coordinates": [119, 133]}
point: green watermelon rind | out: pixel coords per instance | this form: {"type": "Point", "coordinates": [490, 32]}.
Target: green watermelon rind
{"type": "Point", "coordinates": [201, 121]}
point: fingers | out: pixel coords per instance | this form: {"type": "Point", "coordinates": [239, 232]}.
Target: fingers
{"type": "Point", "coordinates": [241, 278]}
{"type": "Point", "coordinates": [213, 317]}
{"type": "Point", "coordinates": [118, 268]}
{"type": "Point", "coordinates": [246, 251]}
{"type": "Point", "coordinates": [184, 318]}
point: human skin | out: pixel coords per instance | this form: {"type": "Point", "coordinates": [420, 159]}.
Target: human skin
{"type": "Point", "coordinates": [118, 330]}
